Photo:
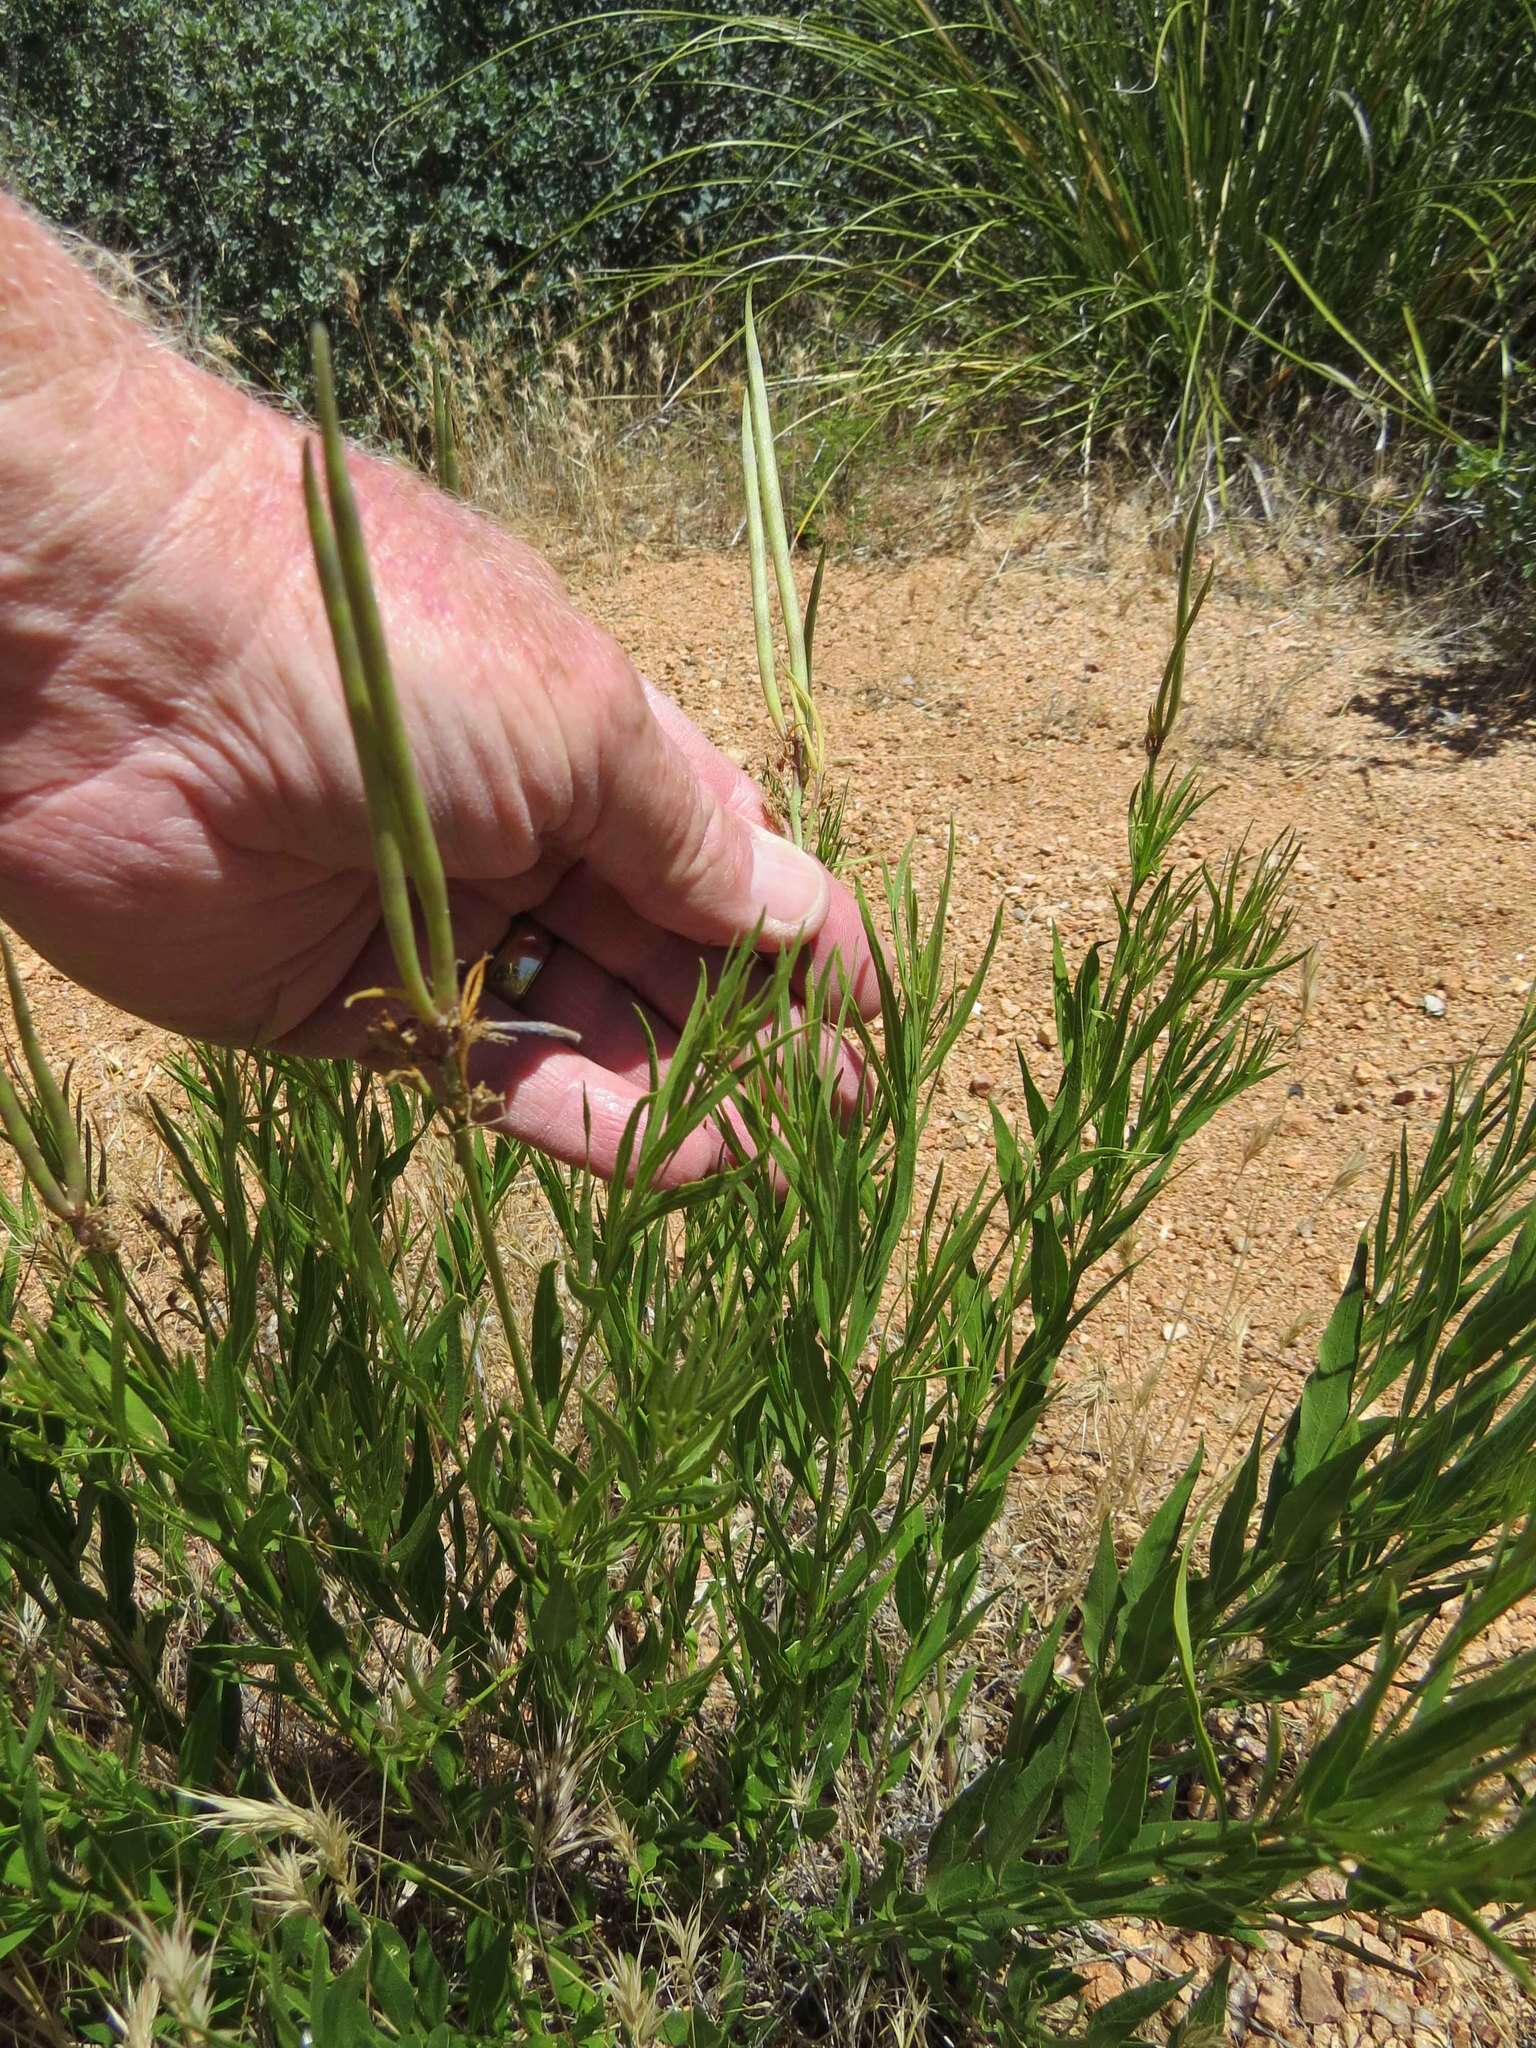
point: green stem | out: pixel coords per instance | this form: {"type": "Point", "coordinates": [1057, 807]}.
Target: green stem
{"type": "Point", "coordinates": [469, 1167]}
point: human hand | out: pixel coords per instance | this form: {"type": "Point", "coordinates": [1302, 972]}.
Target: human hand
{"type": "Point", "coordinates": [182, 826]}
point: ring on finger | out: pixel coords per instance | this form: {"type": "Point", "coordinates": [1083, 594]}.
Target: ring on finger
{"type": "Point", "coordinates": [518, 961]}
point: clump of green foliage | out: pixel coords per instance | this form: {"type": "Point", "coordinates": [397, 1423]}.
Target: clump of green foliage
{"type": "Point", "coordinates": [1198, 227]}
{"type": "Point", "coordinates": [393, 1659]}
{"type": "Point", "coordinates": [384, 161]}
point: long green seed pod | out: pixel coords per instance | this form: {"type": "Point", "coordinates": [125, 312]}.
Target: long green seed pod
{"type": "Point", "coordinates": [423, 861]}
{"type": "Point", "coordinates": [383, 823]}
{"type": "Point", "coordinates": [66, 1139]}
{"type": "Point", "coordinates": [24, 1139]}
{"type": "Point", "coordinates": [807, 719]}
{"type": "Point", "coordinates": [1170, 691]}
{"type": "Point", "coordinates": [445, 452]}
{"type": "Point", "coordinates": [757, 558]}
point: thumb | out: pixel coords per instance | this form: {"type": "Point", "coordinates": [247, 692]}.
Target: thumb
{"type": "Point", "coordinates": [685, 858]}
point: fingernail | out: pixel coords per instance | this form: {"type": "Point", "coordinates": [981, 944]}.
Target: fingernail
{"type": "Point", "coordinates": [789, 888]}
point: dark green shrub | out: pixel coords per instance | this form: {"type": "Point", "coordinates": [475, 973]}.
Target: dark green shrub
{"type": "Point", "coordinates": [263, 150]}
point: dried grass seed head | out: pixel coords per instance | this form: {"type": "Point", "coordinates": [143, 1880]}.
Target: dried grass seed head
{"type": "Point", "coordinates": [633, 1999]}
{"type": "Point", "coordinates": [182, 1973]}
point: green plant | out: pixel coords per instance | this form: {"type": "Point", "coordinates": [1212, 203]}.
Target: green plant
{"type": "Point", "coordinates": [381, 1669]}
{"type": "Point", "coordinates": [1495, 487]}
{"type": "Point", "coordinates": [1182, 222]}
{"type": "Point", "coordinates": [284, 161]}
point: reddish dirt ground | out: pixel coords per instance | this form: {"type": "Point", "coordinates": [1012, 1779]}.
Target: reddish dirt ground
{"type": "Point", "coordinates": [1005, 688]}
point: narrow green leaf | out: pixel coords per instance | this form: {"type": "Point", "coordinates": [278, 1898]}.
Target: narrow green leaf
{"type": "Point", "coordinates": [1114, 2025]}
{"type": "Point", "coordinates": [1126, 1806]}
{"type": "Point", "coordinates": [33, 1831]}
{"type": "Point", "coordinates": [812, 606]}
{"type": "Point", "coordinates": [1146, 1631]}
{"type": "Point", "coordinates": [50, 1095]}
{"type": "Point", "coordinates": [1205, 2024]}
{"type": "Point", "coordinates": [546, 1354]}
{"type": "Point", "coordinates": [1101, 1600]}
{"type": "Point", "coordinates": [1205, 1749]}
{"type": "Point", "coordinates": [1230, 1536]}
{"type": "Point", "coordinates": [1089, 1766]}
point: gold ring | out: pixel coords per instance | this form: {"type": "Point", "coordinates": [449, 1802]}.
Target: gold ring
{"type": "Point", "coordinates": [518, 961]}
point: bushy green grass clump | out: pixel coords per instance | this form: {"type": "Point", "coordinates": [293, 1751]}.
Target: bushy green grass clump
{"type": "Point", "coordinates": [396, 1652]}
{"type": "Point", "coordinates": [1207, 228]}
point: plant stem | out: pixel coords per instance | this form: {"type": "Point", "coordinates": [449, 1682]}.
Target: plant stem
{"type": "Point", "coordinates": [469, 1167]}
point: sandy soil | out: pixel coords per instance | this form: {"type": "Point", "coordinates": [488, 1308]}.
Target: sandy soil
{"type": "Point", "coordinates": [1006, 688]}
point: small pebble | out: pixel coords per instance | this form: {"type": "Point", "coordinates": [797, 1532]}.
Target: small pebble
{"type": "Point", "coordinates": [1433, 1005]}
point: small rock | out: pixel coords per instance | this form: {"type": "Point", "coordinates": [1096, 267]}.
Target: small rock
{"type": "Point", "coordinates": [1365, 1074]}
{"type": "Point", "coordinates": [1316, 1999]}
{"type": "Point", "coordinates": [1395, 2013]}
{"type": "Point", "coordinates": [1355, 1990]}
{"type": "Point", "coordinates": [1404, 1096]}
{"type": "Point", "coordinates": [1045, 1034]}
{"type": "Point", "coordinates": [981, 1084]}
{"type": "Point", "coordinates": [1101, 1982]}
{"type": "Point", "coordinates": [1272, 2008]}
{"type": "Point", "coordinates": [1433, 1005]}
{"type": "Point", "coordinates": [1242, 1997]}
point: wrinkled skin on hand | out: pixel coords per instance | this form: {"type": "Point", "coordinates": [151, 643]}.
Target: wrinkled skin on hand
{"type": "Point", "coordinates": [182, 826]}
